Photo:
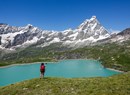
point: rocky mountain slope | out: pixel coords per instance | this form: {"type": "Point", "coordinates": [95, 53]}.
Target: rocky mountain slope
{"type": "Point", "coordinates": [122, 36]}
{"type": "Point", "coordinates": [89, 32]}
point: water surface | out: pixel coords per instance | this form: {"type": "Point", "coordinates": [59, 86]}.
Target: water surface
{"type": "Point", "coordinates": [65, 68]}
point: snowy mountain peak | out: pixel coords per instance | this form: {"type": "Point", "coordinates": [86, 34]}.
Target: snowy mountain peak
{"type": "Point", "coordinates": [93, 18]}
{"type": "Point", "coordinates": [90, 31]}
{"type": "Point", "coordinates": [89, 23]}
{"type": "Point", "coordinates": [28, 26]}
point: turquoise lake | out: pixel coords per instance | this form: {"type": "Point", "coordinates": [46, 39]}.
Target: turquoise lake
{"type": "Point", "coordinates": [65, 68]}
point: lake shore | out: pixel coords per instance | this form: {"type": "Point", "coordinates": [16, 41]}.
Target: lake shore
{"type": "Point", "coordinates": [25, 64]}
{"type": "Point", "coordinates": [41, 62]}
{"type": "Point", "coordinates": [56, 62]}
{"type": "Point", "coordinates": [115, 70]}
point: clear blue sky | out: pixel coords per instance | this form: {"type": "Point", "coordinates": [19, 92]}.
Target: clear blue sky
{"type": "Point", "coordinates": [64, 14]}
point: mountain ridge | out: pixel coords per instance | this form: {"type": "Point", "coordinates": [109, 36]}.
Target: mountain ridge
{"type": "Point", "coordinates": [90, 31]}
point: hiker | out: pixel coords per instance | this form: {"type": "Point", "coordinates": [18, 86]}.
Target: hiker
{"type": "Point", "coordinates": [42, 70]}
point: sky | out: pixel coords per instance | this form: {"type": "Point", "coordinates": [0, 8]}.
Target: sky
{"type": "Point", "coordinates": [59, 15]}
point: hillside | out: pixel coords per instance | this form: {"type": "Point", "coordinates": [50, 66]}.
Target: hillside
{"type": "Point", "coordinates": [114, 85]}
{"type": "Point", "coordinates": [112, 55]}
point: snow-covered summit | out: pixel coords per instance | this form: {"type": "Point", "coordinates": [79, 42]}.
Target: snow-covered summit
{"type": "Point", "coordinates": [90, 31]}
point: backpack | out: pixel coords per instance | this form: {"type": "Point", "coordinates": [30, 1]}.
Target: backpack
{"type": "Point", "coordinates": [42, 67]}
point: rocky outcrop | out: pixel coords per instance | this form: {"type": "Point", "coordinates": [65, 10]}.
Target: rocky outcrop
{"type": "Point", "coordinates": [125, 32]}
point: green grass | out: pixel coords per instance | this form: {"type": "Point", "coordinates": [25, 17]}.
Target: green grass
{"type": "Point", "coordinates": [111, 55]}
{"type": "Point", "coordinates": [114, 85]}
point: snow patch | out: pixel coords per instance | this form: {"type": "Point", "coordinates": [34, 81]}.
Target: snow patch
{"type": "Point", "coordinates": [34, 40]}
{"type": "Point", "coordinates": [73, 35]}
{"type": "Point", "coordinates": [9, 37]}
{"type": "Point", "coordinates": [55, 40]}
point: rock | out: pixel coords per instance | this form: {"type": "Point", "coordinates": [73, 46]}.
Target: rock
{"type": "Point", "coordinates": [25, 88]}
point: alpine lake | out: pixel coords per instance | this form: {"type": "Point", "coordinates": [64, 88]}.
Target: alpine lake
{"type": "Point", "coordinates": [79, 68]}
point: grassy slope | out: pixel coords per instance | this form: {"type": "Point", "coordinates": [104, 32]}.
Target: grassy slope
{"type": "Point", "coordinates": [111, 55]}
{"type": "Point", "coordinates": [29, 55]}
{"type": "Point", "coordinates": [115, 85]}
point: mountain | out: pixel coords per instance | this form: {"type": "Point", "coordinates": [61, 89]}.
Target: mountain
{"type": "Point", "coordinates": [87, 33]}
{"type": "Point", "coordinates": [31, 44]}
{"type": "Point", "coordinates": [117, 37]}
{"type": "Point", "coordinates": [122, 36]}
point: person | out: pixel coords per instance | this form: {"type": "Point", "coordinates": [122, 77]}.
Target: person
{"type": "Point", "coordinates": [42, 70]}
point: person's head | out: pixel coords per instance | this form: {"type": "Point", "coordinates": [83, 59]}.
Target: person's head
{"type": "Point", "coordinates": [42, 64]}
